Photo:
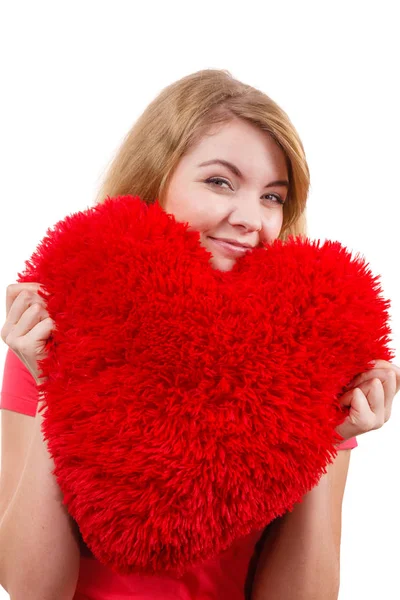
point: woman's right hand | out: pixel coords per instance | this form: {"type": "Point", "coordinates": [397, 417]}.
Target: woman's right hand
{"type": "Point", "coordinates": [27, 325]}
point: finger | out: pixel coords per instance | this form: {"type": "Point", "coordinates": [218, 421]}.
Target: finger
{"type": "Point", "coordinates": [386, 364]}
{"type": "Point", "coordinates": [381, 373]}
{"type": "Point", "coordinates": [366, 387]}
{"type": "Point", "coordinates": [390, 387]}
{"type": "Point", "coordinates": [37, 335]}
{"type": "Point", "coordinates": [356, 379]}
{"type": "Point", "coordinates": [24, 299]}
{"type": "Point", "coordinates": [375, 395]}
{"type": "Point", "coordinates": [360, 418]}
{"type": "Point", "coordinates": [16, 288]}
{"type": "Point", "coordinates": [30, 317]}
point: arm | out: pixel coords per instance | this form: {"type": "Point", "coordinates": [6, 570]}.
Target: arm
{"type": "Point", "coordinates": [301, 557]}
{"type": "Point", "coordinates": [39, 556]}
{"type": "Point", "coordinates": [16, 437]}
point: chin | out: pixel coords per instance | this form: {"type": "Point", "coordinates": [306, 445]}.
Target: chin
{"type": "Point", "coordinates": [222, 264]}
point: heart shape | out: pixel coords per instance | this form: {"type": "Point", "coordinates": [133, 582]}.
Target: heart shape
{"type": "Point", "coordinates": [186, 406]}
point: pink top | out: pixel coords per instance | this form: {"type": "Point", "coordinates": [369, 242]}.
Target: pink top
{"type": "Point", "coordinates": [222, 578]}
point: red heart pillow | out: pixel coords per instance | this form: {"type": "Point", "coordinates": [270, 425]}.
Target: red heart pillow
{"type": "Point", "coordinates": [188, 406]}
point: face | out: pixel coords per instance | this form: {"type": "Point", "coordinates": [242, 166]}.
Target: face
{"type": "Point", "coordinates": [241, 201]}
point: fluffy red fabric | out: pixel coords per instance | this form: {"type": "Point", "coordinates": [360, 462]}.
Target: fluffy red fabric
{"type": "Point", "coordinates": [186, 406]}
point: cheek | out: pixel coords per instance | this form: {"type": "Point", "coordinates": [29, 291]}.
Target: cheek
{"type": "Point", "coordinates": [191, 205]}
{"type": "Point", "coordinates": [272, 226]}
{"type": "Point", "coordinates": [275, 217]}
{"type": "Point", "coordinates": [278, 221]}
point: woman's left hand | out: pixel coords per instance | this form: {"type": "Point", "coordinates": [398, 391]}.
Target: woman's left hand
{"type": "Point", "coordinates": [370, 399]}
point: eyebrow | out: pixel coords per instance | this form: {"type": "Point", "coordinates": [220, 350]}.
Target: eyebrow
{"type": "Point", "coordinates": [235, 171]}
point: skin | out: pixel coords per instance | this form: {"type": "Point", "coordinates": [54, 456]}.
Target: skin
{"type": "Point", "coordinates": [370, 399]}
{"type": "Point", "coordinates": [239, 208]}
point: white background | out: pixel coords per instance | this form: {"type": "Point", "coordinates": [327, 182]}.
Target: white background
{"type": "Point", "coordinates": [76, 75]}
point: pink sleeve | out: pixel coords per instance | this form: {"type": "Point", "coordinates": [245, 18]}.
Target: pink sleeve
{"type": "Point", "coordinates": [348, 444]}
{"type": "Point", "coordinates": [19, 390]}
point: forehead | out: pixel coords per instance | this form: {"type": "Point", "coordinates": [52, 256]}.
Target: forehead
{"type": "Point", "coordinates": [243, 144]}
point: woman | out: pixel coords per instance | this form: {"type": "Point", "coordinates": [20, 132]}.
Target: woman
{"type": "Point", "coordinates": [224, 157]}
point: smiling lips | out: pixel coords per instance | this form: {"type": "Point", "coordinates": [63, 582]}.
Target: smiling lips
{"type": "Point", "coordinates": [231, 249]}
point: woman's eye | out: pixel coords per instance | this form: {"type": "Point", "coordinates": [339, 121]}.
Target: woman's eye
{"type": "Point", "coordinates": [215, 180]}
{"type": "Point", "coordinates": [277, 198]}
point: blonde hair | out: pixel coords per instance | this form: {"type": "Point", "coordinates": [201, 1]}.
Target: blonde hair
{"type": "Point", "coordinates": [178, 118]}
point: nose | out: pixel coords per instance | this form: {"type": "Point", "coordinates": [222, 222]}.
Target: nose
{"type": "Point", "coordinates": [248, 214]}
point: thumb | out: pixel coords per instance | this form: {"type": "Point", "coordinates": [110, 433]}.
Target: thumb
{"type": "Point", "coordinates": [358, 403]}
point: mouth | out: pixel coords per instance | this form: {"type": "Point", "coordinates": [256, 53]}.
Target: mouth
{"type": "Point", "coordinates": [228, 249]}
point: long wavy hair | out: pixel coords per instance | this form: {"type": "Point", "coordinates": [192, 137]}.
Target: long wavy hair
{"type": "Point", "coordinates": [179, 117]}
